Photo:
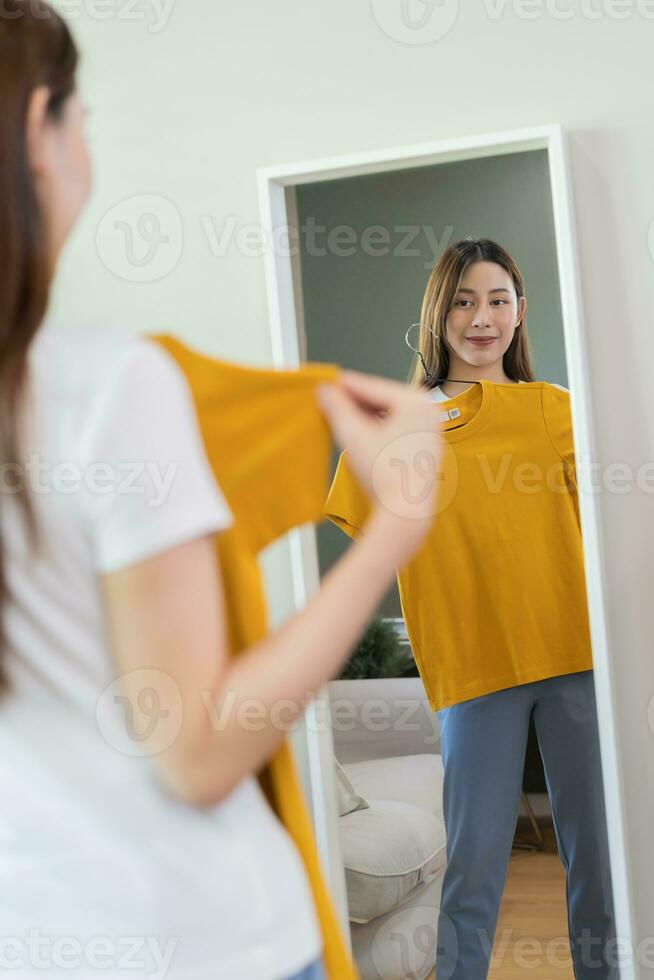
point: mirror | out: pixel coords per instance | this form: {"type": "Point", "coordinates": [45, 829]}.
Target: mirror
{"type": "Point", "coordinates": [471, 810]}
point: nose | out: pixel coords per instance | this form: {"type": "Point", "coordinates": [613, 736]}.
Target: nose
{"type": "Point", "coordinates": [482, 317]}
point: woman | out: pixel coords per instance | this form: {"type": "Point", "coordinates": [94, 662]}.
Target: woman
{"type": "Point", "coordinates": [196, 878]}
{"type": "Point", "coordinates": [473, 328]}
{"type": "Point", "coordinates": [495, 609]}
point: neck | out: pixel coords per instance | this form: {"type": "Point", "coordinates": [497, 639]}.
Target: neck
{"type": "Point", "coordinates": [460, 374]}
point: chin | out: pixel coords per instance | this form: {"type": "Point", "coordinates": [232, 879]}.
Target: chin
{"type": "Point", "coordinates": [481, 356]}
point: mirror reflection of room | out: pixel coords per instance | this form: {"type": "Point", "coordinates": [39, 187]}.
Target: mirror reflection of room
{"type": "Point", "coordinates": [473, 836]}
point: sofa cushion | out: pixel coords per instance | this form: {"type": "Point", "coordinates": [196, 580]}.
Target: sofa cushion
{"type": "Point", "coordinates": [388, 849]}
{"type": "Point", "coordinates": [348, 798]}
{"type": "Point", "coordinates": [415, 779]}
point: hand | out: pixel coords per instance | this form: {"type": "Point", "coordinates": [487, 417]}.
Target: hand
{"type": "Point", "coordinates": [391, 432]}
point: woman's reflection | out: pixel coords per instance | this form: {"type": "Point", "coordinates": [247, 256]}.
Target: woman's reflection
{"type": "Point", "coordinates": [495, 609]}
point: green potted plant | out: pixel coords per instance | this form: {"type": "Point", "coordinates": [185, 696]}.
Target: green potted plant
{"type": "Point", "coordinates": [379, 653]}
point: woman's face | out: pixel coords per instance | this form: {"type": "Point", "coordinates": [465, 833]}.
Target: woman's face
{"type": "Point", "coordinates": [60, 163]}
{"type": "Point", "coordinates": [485, 306]}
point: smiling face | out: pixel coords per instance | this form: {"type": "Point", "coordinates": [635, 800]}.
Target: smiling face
{"type": "Point", "coordinates": [484, 308]}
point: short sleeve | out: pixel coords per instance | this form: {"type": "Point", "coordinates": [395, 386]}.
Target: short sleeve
{"type": "Point", "coordinates": [148, 485]}
{"type": "Point", "coordinates": [558, 420]}
{"type": "Point", "coordinates": [347, 505]}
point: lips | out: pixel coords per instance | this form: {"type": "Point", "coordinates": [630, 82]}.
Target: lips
{"type": "Point", "coordinates": [481, 342]}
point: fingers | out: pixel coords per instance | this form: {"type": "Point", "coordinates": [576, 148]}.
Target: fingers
{"type": "Point", "coordinates": [347, 422]}
{"type": "Point", "coordinates": [373, 390]}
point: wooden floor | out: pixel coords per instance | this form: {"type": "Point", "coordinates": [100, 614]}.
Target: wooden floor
{"type": "Point", "coordinates": [532, 931]}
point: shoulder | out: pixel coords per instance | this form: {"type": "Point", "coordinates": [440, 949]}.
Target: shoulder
{"type": "Point", "coordinates": [557, 418]}
{"type": "Point", "coordinates": [555, 399]}
{"type": "Point", "coordinates": [549, 384]}
{"type": "Point", "coordinates": [81, 366]}
{"type": "Point", "coordinates": [108, 390]}
{"type": "Point", "coordinates": [555, 394]}
{"type": "Point", "coordinates": [94, 349]}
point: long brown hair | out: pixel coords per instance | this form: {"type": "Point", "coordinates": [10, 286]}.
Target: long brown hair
{"type": "Point", "coordinates": [36, 48]}
{"type": "Point", "coordinates": [442, 285]}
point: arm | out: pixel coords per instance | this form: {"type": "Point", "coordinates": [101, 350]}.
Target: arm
{"type": "Point", "coordinates": [160, 577]}
{"type": "Point", "coordinates": [164, 613]}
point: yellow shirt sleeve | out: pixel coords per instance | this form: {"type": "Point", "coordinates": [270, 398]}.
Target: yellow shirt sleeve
{"type": "Point", "coordinates": [558, 423]}
{"type": "Point", "coordinates": [347, 505]}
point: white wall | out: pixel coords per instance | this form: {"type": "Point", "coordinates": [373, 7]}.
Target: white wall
{"type": "Point", "coordinates": [189, 111]}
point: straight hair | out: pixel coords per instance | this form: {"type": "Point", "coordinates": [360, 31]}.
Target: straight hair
{"type": "Point", "coordinates": [36, 48]}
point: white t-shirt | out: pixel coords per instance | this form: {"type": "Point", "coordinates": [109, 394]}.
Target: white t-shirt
{"type": "Point", "coordinates": [91, 845]}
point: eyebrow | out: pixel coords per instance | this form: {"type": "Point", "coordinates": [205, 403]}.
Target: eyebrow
{"type": "Point", "coordinates": [499, 290]}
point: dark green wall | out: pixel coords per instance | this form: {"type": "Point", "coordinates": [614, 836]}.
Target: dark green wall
{"type": "Point", "coordinates": [358, 305]}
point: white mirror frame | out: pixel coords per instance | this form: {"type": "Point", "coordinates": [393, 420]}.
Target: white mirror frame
{"type": "Point", "coordinates": [277, 208]}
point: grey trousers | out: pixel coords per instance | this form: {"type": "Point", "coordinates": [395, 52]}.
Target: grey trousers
{"type": "Point", "coordinates": [483, 744]}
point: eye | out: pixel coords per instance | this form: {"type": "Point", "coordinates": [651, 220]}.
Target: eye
{"type": "Point", "coordinates": [499, 301]}
{"type": "Point", "coordinates": [459, 301]}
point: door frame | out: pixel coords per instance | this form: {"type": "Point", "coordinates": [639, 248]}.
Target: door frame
{"type": "Point", "coordinates": [283, 286]}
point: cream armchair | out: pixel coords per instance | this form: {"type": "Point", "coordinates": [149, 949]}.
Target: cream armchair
{"type": "Point", "coordinates": [389, 776]}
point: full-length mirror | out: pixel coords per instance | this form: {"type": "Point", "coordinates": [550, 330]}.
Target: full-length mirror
{"type": "Point", "coordinates": [470, 804]}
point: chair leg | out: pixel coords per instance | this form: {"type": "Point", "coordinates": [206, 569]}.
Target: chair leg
{"type": "Point", "coordinates": [538, 844]}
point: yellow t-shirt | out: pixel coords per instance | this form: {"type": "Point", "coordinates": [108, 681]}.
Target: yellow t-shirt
{"type": "Point", "coordinates": [268, 445]}
{"type": "Point", "coordinates": [496, 595]}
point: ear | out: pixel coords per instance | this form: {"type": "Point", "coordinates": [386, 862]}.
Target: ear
{"type": "Point", "coordinates": [522, 306]}
{"type": "Point", "coordinates": [35, 127]}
